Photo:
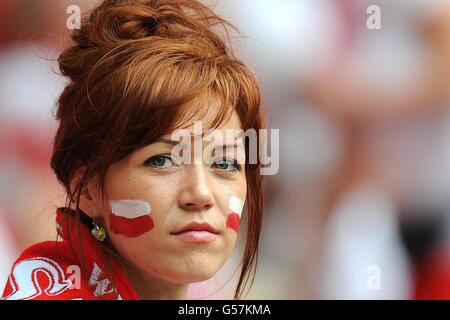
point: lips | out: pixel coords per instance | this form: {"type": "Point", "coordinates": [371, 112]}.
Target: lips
{"type": "Point", "coordinates": [196, 232]}
{"type": "Point", "coordinates": [197, 226]}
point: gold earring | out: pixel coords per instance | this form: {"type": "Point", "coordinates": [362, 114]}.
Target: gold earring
{"type": "Point", "coordinates": [99, 233]}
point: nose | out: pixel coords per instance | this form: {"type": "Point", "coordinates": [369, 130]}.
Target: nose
{"type": "Point", "coordinates": [196, 195]}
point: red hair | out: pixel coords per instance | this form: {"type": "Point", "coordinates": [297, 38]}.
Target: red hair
{"type": "Point", "coordinates": [140, 61]}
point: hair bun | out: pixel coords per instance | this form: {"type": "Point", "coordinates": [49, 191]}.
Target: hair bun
{"type": "Point", "coordinates": [118, 20]}
{"type": "Point", "coordinates": [115, 21]}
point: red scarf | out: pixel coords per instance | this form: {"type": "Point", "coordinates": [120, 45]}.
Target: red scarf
{"type": "Point", "coordinates": [53, 270]}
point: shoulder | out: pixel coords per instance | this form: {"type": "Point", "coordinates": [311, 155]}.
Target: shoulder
{"type": "Point", "coordinates": [41, 272]}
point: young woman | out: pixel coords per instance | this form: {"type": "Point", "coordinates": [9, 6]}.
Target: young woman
{"type": "Point", "coordinates": [140, 223]}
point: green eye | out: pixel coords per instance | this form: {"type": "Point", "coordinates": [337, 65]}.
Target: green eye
{"type": "Point", "coordinates": [160, 161]}
{"type": "Point", "coordinates": [227, 165]}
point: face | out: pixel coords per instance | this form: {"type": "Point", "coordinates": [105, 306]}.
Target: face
{"type": "Point", "coordinates": [173, 220]}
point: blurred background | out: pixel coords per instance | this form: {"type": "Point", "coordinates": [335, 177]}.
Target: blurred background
{"type": "Point", "coordinates": [360, 208]}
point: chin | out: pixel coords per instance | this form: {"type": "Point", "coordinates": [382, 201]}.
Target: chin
{"type": "Point", "coordinates": [193, 276]}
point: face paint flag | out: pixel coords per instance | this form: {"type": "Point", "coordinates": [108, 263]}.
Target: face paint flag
{"type": "Point", "coordinates": [130, 218]}
{"type": "Point", "coordinates": [234, 217]}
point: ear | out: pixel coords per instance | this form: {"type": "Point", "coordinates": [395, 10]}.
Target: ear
{"type": "Point", "coordinates": [89, 196]}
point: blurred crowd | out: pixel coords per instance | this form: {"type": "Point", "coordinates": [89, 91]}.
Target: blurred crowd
{"type": "Point", "coordinates": [360, 208]}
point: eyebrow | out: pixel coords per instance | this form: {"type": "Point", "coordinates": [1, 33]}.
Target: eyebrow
{"type": "Point", "coordinates": [167, 141]}
{"type": "Point", "coordinates": [224, 146]}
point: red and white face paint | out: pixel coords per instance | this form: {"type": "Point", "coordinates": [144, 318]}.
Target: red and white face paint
{"type": "Point", "coordinates": [130, 218]}
{"type": "Point", "coordinates": [234, 217]}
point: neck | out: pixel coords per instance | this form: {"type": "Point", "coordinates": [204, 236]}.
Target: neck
{"type": "Point", "coordinates": [149, 287]}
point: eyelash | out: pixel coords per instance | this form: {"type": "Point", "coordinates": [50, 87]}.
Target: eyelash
{"type": "Point", "coordinates": [236, 165]}
{"type": "Point", "coordinates": [233, 162]}
{"type": "Point", "coordinates": [160, 156]}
